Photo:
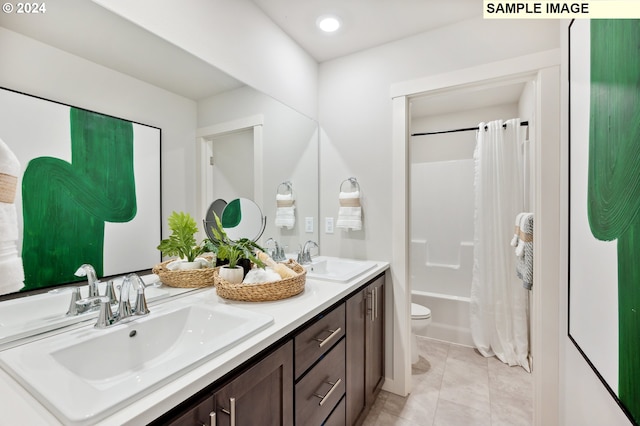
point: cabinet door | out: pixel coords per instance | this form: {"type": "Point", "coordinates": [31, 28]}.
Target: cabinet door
{"type": "Point", "coordinates": [263, 395]}
{"type": "Point", "coordinates": [374, 374]}
{"type": "Point", "coordinates": [356, 317]}
{"type": "Point", "coordinates": [201, 414]}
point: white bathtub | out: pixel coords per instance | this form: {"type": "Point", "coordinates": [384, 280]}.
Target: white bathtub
{"type": "Point", "coordinates": [449, 316]}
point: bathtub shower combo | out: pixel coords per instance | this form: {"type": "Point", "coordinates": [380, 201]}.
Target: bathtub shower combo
{"type": "Point", "coordinates": [461, 266]}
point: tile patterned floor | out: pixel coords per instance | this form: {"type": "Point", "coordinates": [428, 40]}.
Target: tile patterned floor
{"type": "Point", "coordinates": [456, 386]}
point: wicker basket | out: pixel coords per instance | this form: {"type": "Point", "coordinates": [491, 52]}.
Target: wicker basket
{"type": "Point", "coordinates": [263, 292]}
{"type": "Point", "coordinates": [191, 278]}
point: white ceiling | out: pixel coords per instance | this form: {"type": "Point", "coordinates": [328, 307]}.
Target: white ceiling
{"type": "Point", "coordinates": [365, 23]}
{"type": "Point", "coordinates": [87, 30]}
{"type": "Point", "coordinates": [90, 31]}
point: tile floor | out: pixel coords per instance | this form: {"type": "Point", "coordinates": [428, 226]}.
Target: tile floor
{"type": "Point", "coordinates": [456, 386]}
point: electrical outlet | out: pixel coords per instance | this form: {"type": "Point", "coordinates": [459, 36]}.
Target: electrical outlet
{"type": "Point", "coordinates": [328, 225]}
{"type": "Point", "coordinates": [308, 224]}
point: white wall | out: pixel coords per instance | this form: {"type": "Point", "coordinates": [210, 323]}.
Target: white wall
{"type": "Point", "coordinates": [37, 69]}
{"type": "Point", "coordinates": [290, 153]}
{"type": "Point", "coordinates": [584, 399]}
{"type": "Point", "coordinates": [355, 113]}
{"type": "Point", "coordinates": [237, 38]}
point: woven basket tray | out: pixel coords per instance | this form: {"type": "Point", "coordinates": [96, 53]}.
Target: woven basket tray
{"type": "Point", "coordinates": [192, 278]}
{"type": "Point", "coordinates": [263, 292]}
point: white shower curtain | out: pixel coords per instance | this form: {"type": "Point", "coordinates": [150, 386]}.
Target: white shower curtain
{"type": "Point", "coordinates": [499, 303]}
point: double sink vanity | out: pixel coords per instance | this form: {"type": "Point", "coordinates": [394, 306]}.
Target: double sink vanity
{"type": "Point", "coordinates": [199, 359]}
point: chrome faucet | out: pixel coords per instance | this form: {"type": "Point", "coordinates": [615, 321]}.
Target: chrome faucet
{"type": "Point", "coordinates": [304, 255]}
{"type": "Point", "coordinates": [278, 253]}
{"type": "Point", "coordinates": [125, 312]}
{"type": "Point", "coordinates": [87, 270]}
{"type": "Point", "coordinates": [92, 301]}
{"type": "Point", "coordinates": [124, 308]}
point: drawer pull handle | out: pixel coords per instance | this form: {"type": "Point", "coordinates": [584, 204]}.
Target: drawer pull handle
{"type": "Point", "coordinates": [232, 411]}
{"type": "Point", "coordinates": [328, 338]}
{"type": "Point", "coordinates": [334, 386]}
{"type": "Point", "coordinates": [212, 417]}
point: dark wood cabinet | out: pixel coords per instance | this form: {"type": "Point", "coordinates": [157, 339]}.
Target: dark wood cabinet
{"type": "Point", "coordinates": [374, 336]}
{"type": "Point", "coordinates": [330, 370]}
{"type": "Point", "coordinates": [262, 395]}
{"type": "Point", "coordinates": [365, 349]}
{"type": "Point", "coordinates": [201, 414]}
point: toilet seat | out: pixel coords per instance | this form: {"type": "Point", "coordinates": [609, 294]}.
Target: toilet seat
{"type": "Point", "coordinates": [420, 312]}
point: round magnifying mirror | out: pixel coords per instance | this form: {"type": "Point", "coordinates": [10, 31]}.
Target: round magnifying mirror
{"type": "Point", "coordinates": [242, 218]}
{"type": "Point", "coordinates": [216, 208]}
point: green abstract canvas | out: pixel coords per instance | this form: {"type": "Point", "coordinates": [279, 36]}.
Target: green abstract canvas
{"type": "Point", "coordinates": [70, 202]}
{"type": "Point", "coordinates": [614, 180]}
{"type": "Point", "coordinates": [90, 189]}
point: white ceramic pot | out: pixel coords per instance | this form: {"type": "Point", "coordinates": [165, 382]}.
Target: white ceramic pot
{"type": "Point", "coordinates": [185, 266]}
{"type": "Point", "coordinates": [231, 275]}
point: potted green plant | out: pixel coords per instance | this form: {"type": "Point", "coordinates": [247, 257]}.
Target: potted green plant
{"type": "Point", "coordinates": [182, 242]}
{"type": "Point", "coordinates": [239, 254]}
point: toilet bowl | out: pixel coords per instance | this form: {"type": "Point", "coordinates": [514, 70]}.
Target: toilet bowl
{"type": "Point", "coordinates": [420, 320]}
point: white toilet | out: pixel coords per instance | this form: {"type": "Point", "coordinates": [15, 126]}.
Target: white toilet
{"type": "Point", "coordinates": [420, 320]}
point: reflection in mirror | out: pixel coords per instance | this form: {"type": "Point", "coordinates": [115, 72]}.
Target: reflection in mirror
{"type": "Point", "coordinates": [282, 146]}
{"type": "Point", "coordinates": [167, 81]}
{"type": "Point", "coordinates": [215, 209]}
{"type": "Point", "coordinates": [240, 218]}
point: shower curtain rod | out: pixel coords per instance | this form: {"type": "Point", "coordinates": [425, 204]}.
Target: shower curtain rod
{"type": "Point", "coordinates": [466, 129]}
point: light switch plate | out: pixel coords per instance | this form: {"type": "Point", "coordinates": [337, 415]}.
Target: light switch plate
{"type": "Point", "coordinates": [308, 224]}
{"type": "Point", "coordinates": [328, 225]}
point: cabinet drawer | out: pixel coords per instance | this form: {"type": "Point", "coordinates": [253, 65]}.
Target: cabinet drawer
{"type": "Point", "coordinates": [318, 338]}
{"type": "Point", "coordinates": [318, 392]}
{"type": "Point", "coordinates": [337, 418]}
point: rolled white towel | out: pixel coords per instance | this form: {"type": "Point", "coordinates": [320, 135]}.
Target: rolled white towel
{"type": "Point", "coordinates": [259, 275]}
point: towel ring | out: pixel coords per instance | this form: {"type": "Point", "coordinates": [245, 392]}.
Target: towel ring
{"type": "Point", "coordinates": [288, 187]}
{"type": "Point", "coordinates": [353, 181]}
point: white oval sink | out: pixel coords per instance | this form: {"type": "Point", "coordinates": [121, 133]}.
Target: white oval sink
{"type": "Point", "coordinates": [27, 316]}
{"type": "Point", "coordinates": [86, 374]}
{"type": "Point", "coordinates": [337, 269]}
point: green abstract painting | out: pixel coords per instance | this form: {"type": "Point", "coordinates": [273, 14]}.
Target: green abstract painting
{"type": "Point", "coordinates": [90, 190]}
{"type": "Point", "coordinates": [70, 202]}
{"type": "Point", "coordinates": [613, 198]}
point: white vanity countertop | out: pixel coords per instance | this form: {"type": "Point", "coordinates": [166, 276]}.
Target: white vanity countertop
{"type": "Point", "coordinates": [19, 407]}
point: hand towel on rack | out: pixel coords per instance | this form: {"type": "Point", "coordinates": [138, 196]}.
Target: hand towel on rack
{"type": "Point", "coordinates": [11, 269]}
{"type": "Point", "coordinates": [285, 211]}
{"type": "Point", "coordinates": [524, 263]}
{"type": "Point", "coordinates": [350, 211]}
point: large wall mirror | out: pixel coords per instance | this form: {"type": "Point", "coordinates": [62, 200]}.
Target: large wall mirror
{"type": "Point", "coordinates": [235, 162]}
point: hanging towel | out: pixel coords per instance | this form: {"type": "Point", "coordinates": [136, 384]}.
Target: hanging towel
{"type": "Point", "coordinates": [285, 211]}
{"type": "Point", "coordinates": [11, 270]}
{"type": "Point", "coordinates": [516, 231]}
{"type": "Point", "coordinates": [350, 211]}
{"type": "Point", "coordinates": [524, 262]}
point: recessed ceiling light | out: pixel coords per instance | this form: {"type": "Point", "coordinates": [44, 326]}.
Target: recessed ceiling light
{"type": "Point", "coordinates": [328, 23]}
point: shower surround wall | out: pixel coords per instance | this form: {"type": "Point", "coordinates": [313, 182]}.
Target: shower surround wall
{"type": "Point", "coordinates": [441, 252]}
{"type": "Point", "coordinates": [441, 218]}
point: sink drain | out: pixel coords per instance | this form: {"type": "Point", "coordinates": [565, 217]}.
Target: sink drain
{"type": "Point", "coordinates": [133, 333]}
